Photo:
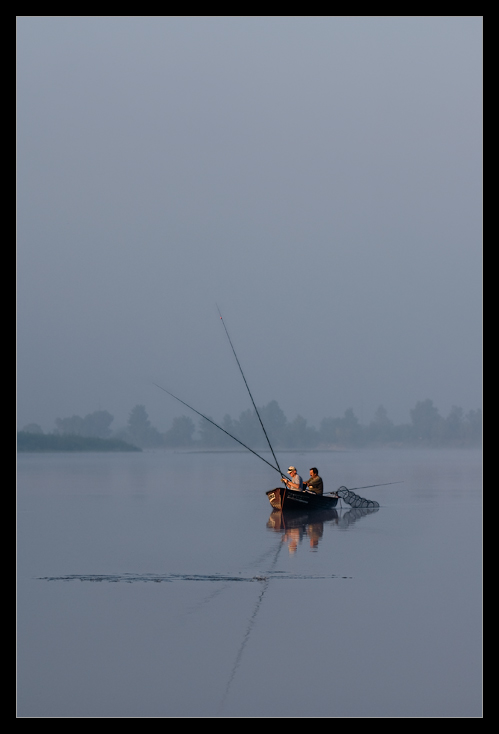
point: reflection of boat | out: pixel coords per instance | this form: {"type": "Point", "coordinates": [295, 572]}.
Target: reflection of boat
{"type": "Point", "coordinates": [296, 524]}
{"type": "Point", "coordinates": [290, 519]}
{"type": "Point", "coordinates": [287, 499]}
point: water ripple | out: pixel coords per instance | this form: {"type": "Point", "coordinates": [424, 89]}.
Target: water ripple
{"type": "Point", "coordinates": [130, 578]}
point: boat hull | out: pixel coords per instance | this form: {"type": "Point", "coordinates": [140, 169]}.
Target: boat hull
{"type": "Point", "coordinates": [287, 499]}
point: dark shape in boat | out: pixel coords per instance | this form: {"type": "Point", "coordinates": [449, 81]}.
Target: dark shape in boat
{"type": "Point", "coordinates": [287, 499]}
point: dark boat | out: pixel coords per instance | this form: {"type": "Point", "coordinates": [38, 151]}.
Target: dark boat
{"type": "Point", "coordinates": [288, 499]}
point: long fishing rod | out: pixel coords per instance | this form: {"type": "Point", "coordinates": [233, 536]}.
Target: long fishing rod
{"type": "Point", "coordinates": [249, 391]}
{"type": "Point", "coordinates": [385, 484]}
{"type": "Point", "coordinates": [220, 427]}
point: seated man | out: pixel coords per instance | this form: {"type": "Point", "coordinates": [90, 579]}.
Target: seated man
{"type": "Point", "coordinates": [314, 484]}
{"type": "Point", "coordinates": [296, 481]}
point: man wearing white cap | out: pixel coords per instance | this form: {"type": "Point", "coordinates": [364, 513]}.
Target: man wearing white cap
{"type": "Point", "coordinates": [296, 482]}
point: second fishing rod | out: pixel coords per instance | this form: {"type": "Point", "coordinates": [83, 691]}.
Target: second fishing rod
{"type": "Point", "coordinates": [249, 391]}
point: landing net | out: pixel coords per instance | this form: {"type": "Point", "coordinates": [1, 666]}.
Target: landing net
{"type": "Point", "coordinates": [354, 500]}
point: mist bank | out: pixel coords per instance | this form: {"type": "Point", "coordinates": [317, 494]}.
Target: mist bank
{"type": "Point", "coordinates": [427, 428]}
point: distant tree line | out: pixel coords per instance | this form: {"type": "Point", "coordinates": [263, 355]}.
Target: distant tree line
{"type": "Point", "coordinates": [426, 428]}
{"type": "Point", "coordinates": [36, 441]}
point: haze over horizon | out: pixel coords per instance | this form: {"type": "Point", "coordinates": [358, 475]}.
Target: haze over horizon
{"type": "Point", "coordinates": [319, 178]}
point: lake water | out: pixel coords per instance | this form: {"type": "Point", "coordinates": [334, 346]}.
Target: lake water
{"type": "Point", "coordinates": [158, 585]}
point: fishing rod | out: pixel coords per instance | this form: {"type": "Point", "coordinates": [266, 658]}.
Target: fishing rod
{"type": "Point", "coordinates": [385, 484]}
{"type": "Point", "coordinates": [249, 391]}
{"type": "Point", "coordinates": [220, 427]}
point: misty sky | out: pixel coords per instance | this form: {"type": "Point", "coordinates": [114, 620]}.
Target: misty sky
{"type": "Point", "coordinates": [319, 178]}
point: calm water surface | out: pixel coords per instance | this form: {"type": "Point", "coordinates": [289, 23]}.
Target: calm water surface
{"type": "Point", "coordinates": [161, 585]}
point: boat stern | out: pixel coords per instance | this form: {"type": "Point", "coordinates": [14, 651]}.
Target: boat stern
{"type": "Point", "coordinates": [275, 497]}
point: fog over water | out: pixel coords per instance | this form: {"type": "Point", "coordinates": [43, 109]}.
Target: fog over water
{"type": "Point", "coordinates": [319, 178]}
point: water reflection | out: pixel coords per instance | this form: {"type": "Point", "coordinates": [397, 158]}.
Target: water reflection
{"type": "Point", "coordinates": [246, 637]}
{"type": "Point", "coordinates": [295, 526]}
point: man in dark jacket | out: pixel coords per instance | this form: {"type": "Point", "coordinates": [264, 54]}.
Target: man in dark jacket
{"type": "Point", "coordinates": [314, 484]}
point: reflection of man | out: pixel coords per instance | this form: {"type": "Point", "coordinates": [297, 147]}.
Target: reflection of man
{"type": "Point", "coordinates": [314, 484]}
{"type": "Point", "coordinates": [292, 537]}
{"type": "Point", "coordinates": [315, 532]}
{"type": "Point", "coordinates": [296, 482]}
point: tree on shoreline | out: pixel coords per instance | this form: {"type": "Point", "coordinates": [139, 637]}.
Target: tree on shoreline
{"type": "Point", "coordinates": [181, 433]}
{"type": "Point", "coordinates": [140, 430]}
